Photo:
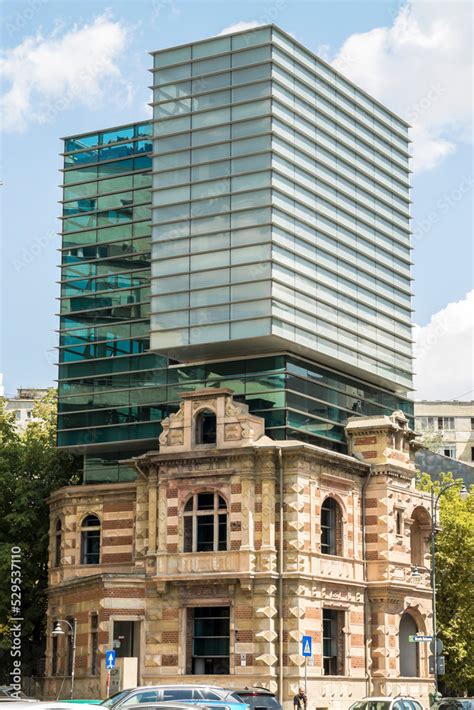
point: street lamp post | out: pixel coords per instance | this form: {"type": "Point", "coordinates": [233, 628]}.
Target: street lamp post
{"type": "Point", "coordinates": [434, 530]}
{"type": "Point", "coordinates": [58, 631]}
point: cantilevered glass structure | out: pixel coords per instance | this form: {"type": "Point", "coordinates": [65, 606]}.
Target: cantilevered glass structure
{"type": "Point", "coordinates": [280, 210]}
{"type": "Point", "coordinates": [253, 235]}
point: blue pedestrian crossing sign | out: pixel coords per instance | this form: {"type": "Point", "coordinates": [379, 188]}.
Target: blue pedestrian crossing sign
{"type": "Point", "coordinates": [110, 660]}
{"type": "Point", "coordinates": [307, 646]}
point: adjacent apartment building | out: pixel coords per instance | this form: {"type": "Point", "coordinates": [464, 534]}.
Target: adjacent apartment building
{"type": "Point", "coordinates": [235, 323]}
{"type": "Point", "coordinates": [449, 425]}
{"type": "Point", "coordinates": [23, 403]}
{"type": "Point", "coordinates": [255, 234]}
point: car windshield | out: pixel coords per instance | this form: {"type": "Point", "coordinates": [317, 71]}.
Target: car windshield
{"type": "Point", "coordinates": [114, 699]}
{"type": "Point", "coordinates": [371, 705]}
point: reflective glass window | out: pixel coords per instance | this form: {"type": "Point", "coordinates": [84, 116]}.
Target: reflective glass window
{"type": "Point", "coordinates": [209, 83]}
{"type": "Point", "coordinates": [81, 142]}
{"type": "Point", "coordinates": [80, 191]}
{"type": "Point", "coordinates": [247, 39]}
{"type": "Point", "coordinates": [114, 184]}
{"type": "Point", "coordinates": [251, 56]}
{"type": "Point", "coordinates": [118, 134]}
{"type": "Point", "coordinates": [172, 56]}
{"type": "Point", "coordinates": [210, 100]}
{"type": "Point", "coordinates": [211, 65]}
{"type": "Point", "coordinates": [167, 76]}
{"type": "Point", "coordinates": [243, 76]}
{"type": "Point", "coordinates": [172, 91]}
{"type": "Point", "coordinates": [209, 118]}
{"type": "Point", "coordinates": [166, 145]}
{"type": "Point", "coordinates": [211, 135]}
{"type": "Point", "coordinates": [121, 166]}
{"type": "Point", "coordinates": [214, 46]}
{"type": "Point", "coordinates": [172, 108]}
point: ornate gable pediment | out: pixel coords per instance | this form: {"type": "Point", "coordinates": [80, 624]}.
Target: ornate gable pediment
{"type": "Point", "coordinates": [232, 425]}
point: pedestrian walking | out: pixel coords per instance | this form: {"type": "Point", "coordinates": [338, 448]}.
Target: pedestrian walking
{"type": "Point", "coordinates": [300, 701]}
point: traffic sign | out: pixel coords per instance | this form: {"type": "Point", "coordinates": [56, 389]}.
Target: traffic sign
{"type": "Point", "coordinates": [439, 646]}
{"type": "Point", "coordinates": [441, 665]}
{"type": "Point", "coordinates": [110, 660]}
{"type": "Point", "coordinates": [307, 646]}
{"type": "Point", "coordinates": [419, 638]}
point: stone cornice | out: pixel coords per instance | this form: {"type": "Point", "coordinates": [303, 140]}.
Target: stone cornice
{"type": "Point", "coordinates": [91, 489]}
{"type": "Point", "coordinates": [106, 580]}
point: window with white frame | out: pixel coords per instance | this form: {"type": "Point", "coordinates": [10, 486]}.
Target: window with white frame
{"type": "Point", "coordinates": [205, 523]}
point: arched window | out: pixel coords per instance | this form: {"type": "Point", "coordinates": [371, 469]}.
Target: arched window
{"type": "Point", "coordinates": [331, 528]}
{"type": "Point", "coordinates": [420, 528]}
{"type": "Point", "coordinates": [90, 540]}
{"type": "Point", "coordinates": [205, 523]}
{"type": "Point", "coordinates": [206, 429]}
{"type": "Point", "coordinates": [409, 661]}
{"type": "Point", "coordinates": [58, 538]}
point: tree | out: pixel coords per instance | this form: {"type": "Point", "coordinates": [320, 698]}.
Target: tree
{"type": "Point", "coordinates": [432, 440]}
{"type": "Point", "coordinates": [31, 467]}
{"type": "Point", "coordinates": [455, 583]}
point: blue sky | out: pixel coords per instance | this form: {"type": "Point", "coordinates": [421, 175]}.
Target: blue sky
{"type": "Point", "coordinates": [72, 67]}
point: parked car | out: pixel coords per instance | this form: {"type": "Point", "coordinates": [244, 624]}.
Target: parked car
{"type": "Point", "coordinates": [171, 693]}
{"type": "Point", "coordinates": [195, 704]}
{"type": "Point", "coordinates": [455, 704]}
{"type": "Point", "coordinates": [257, 698]}
{"type": "Point", "coordinates": [9, 693]}
{"type": "Point", "coordinates": [399, 702]}
{"type": "Point", "coordinates": [40, 704]}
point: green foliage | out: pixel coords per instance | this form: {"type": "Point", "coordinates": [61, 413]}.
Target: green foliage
{"type": "Point", "coordinates": [432, 440]}
{"type": "Point", "coordinates": [30, 469]}
{"type": "Point", "coordinates": [455, 583]}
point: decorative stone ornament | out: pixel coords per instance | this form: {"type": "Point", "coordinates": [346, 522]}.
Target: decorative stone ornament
{"type": "Point", "coordinates": [235, 427]}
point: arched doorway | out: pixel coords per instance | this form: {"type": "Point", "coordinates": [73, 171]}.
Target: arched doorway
{"type": "Point", "coordinates": [409, 651]}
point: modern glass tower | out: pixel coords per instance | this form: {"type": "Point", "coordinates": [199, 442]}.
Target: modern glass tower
{"type": "Point", "coordinates": [280, 251]}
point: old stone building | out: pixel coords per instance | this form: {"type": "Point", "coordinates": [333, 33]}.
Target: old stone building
{"type": "Point", "coordinates": [230, 546]}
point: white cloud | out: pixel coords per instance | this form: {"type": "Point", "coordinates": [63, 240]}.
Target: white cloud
{"type": "Point", "coordinates": [444, 353]}
{"type": "Point", "coordinates": [47, 74]}
{"type": "Point", "coordinates": [421, 67]}
{"type": "Point", "coordinates": [240, 27]}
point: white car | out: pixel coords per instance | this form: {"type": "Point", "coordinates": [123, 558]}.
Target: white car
{"type": "Point", "coordinates": [399, 702]}
{"type": "Point", "coordinates": [43, 704]}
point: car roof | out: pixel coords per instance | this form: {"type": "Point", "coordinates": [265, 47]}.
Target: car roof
{"type": "Point", "coordinates": [167, 704]}
{"type": "Point", "coordinates": [178, 685]}
{"type": "Point", "coordinates": [47, 703]}
{"type": "Point", "coordinates": [385, 698]}
{"type": "Point", "coordinates": [251, 689]}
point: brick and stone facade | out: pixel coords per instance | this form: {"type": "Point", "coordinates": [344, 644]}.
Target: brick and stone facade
{"type": "Point", "coordinates": [275, 567]}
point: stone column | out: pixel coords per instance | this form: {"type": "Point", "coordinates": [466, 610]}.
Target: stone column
{"type": "Point", "coordinates": [162, 516]}
{"type": "Point", "coordinates": [152, 512]}
{"type": "Point", "coordinates": [248, 513]}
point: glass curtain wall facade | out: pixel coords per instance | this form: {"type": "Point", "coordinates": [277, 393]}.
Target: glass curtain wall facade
{"type": "Point", "coordinates": [280, 210]}
{"type": "Point", "coordinates": [104, 363]}
{"type": "Point", "coordinates": [272, 230]}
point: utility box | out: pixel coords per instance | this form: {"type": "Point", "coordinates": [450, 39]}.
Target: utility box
{"type": "Point", "coordinates": [124, 675]}
{"type": "Point", "coordinates": [129, 672]}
